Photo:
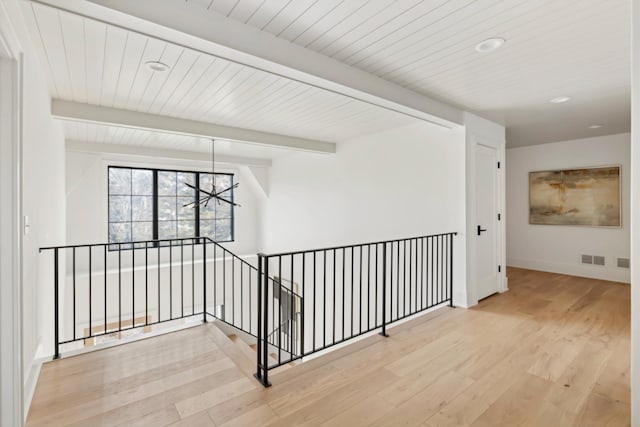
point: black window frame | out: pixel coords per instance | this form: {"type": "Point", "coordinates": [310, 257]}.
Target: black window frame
{"type": "Point", "coordinates": [155, 221]}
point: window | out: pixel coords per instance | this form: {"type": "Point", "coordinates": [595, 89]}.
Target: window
{"type": "Point", "coordinates": [148, 204]}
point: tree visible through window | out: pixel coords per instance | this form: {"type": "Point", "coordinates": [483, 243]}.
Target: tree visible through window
{"type": "Point", "coordinates": [148, 204]}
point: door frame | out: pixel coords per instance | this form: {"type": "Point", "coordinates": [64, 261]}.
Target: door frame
{"type": "Point", "coordinates": [11, 364]}
{"type": "Point", "coordinates": [479, 131]}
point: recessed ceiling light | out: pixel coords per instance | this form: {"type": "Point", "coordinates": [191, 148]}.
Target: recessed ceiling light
{"type": "Point", "coordinates": [489, 45]}
{"type": "Point", "coordinates": [595, 126]}
{"type": "Point", "coordinates": [560, 100]}
{"type": "Point", "coordinates": [157, 66]}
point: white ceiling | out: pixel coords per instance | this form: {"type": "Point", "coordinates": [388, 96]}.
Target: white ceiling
{"type": "Point", "coordinates": [92, 62]}
{"type": "Point", "coordinates": [577, 48]}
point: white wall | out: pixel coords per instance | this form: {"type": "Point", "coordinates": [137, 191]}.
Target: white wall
{"type": "Point", "coordinates": [42, 193]}
{"type": "Point", "coordinates": [400, 183]}
{"type": "Point", "coordinates": [87, 189]}
{"type": "Point", "coordinates": [635, 217]}
{"type": "Point", "coordinates": [558, 248]}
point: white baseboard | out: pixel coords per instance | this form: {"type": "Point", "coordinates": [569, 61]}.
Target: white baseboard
{"type": "Point", "coordinates": [589, 271]}
{"type": "Point", "coordinates": [31, 380]}
{"type": "Point", "coordinates": [460, 300]}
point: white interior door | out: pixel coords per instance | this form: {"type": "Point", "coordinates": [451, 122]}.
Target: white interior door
{"type": "Point", "coordinates": [487, 277]}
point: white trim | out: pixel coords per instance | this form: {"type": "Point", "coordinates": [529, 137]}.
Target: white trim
{"type": "Point", "coordinates": [73, 111]}
{"type": "Point", "coordinates": [12, 409]}
{"type": "Point", "coordinates": [589, 271]}
{"type": "Point", "coordinates": [483, 132]}
{"type": "Point", "coordinates": [178, 23]}
{"type": "Point", "coordinates": [32, 378]}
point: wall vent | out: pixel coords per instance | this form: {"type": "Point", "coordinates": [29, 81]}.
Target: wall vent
{"type": "Point", "coordinates": [623, 262]}
{"type": "Point", "coordinates": [598, 260]}
{"type": "Point", "coordinates": [587, 259]}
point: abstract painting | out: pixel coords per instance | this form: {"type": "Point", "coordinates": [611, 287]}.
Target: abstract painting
{"type": "Point", "coordinates": [589, 197]}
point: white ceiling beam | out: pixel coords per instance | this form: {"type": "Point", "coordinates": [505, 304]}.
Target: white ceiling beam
{"type": "Point", "coordinates": [180, 23]}
{"type": "Point", "coordinates": [66, 110]}
{"type": "Point", "coordinates": [132, 150]}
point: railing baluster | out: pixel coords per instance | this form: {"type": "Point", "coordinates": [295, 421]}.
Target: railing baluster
{"type": "Point", "coordinates": [344, 261]}
{"type": "Point", "coordinates": [259, 365]}
{"type": "Point", "coordinates": [181, 278]}
{"type": "Point", "coordinates": [193, 278]}
{"type": "Point", "coordinates": [279, 310]}
{"type": "Point", "coordinates": [333, 323]}
{"type": "Point", "coordinates": [133, 286]}
{"type": "Point", "coordinates": [204, 281]}
{"type": "Point", "coordinates": [119, 287]}
{"type": "Point", "coordinates": [241, 300]}
{"type": "Point", "coordinates": [451, 270]}
{"type": "Point", "coordinates": [352, 287]}
{"type": "Point", "coordinates": [146, 283]}
{"type": "Point", "coordinates": [368, 287]}
{"type": "Point", "coordinates": [56, 320]}
{"type": "Point", "coordinates": [224, 284]}
{"type": "Point", "coordinates": [433, 290]}
{"type": "Point", "coordinates": [314, 301]}
{"type": "Point", "coordinates": [265, 344]}
{"type": "Point", "coordinates": [74, 292]}
{"type": "Point", "coordinates": [384, 289]}
{"type": "Point", "coordinates": [302, 310]}
{"type": "Point", "coordinates": [171, 280]}
{"type": "Point", "coordinates": [215, 279]}
{"type": "Point", "coordinates": [233, 291]}
{"type": "Point", "coordinates": [324, 304]}
{"type": "Point", "coordinates": [105, 288]}
{"type": "Point", "coordinates": [159, 306]}
{"type": "Point", "coordinates": [376, 289]}
{"type": "Point", "coordinates": [410, 278]}
{"type": "Point", "coordinates": [360, 291]}
{"type": "Point", "coordinates": [90, 295]}
{"type": "Point", "coordinates": [398, 283]}
{"type": "Point", "coordinates": [291, 303]}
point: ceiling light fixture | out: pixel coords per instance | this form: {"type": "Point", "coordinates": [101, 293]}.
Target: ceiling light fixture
{"type": "Point", "coordinates": [560, 100]}
{"type": "Point", "coordinates": [157, 66]}
{"type": "Point", "coordinates": [489, 45]}
{"type": "Point", "coordinates": [215, 193]}
{"type": "Point", "coordinates": [595, 126]}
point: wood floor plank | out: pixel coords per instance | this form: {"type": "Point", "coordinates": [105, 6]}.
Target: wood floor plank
{"type": "Point", "coordinates": [554, 350]}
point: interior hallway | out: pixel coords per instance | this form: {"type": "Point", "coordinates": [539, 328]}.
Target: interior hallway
{"type": "Point", "coordinates": [554, 350]}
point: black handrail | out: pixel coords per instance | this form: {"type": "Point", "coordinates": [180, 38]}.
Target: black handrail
{"type": "Point", "coordinates": [351, 290]}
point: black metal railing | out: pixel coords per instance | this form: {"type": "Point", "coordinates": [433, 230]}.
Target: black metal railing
{"type": "Point", "coordinates": [106, 289]}
{"type": "Point", "coordinates": [346, 291]}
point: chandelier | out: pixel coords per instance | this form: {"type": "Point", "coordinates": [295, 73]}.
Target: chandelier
{"type": "Point", "coordinates": [203, 197]}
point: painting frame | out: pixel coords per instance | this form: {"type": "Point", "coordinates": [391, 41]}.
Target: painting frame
{"type": "Point", "coordinates": [535, 219]}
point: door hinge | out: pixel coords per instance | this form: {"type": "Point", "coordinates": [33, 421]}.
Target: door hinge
{"type": "Point", "coordinates": [498, 165]}
{"type": "Point", "coordinates": [499, 217]}
{"type": "Point", "coordinates": [499, 268]}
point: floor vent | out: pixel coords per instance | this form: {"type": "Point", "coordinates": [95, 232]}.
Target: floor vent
{"type": "Point", "coordinates": [623, 262]}
{"type": "Point", "coordinates": [598, 260]}
{"type": "Point", "coordinates": [587, 259]}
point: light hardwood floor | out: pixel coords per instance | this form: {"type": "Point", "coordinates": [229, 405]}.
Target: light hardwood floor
{"type": "Point", "coordinates": [553, 351]}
